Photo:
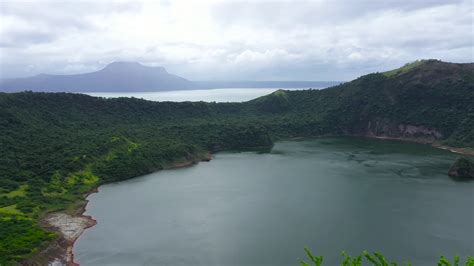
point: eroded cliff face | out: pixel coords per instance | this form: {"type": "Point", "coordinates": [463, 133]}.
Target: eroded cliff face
{"type": "Point", "coordinates": [387, 129]}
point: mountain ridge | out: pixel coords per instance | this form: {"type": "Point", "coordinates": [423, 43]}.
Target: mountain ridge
{"type": "Point", "coordinates": [57, 146]}
{"type": "Point", "coordinates": [129, 76]}
{"type": "Point", "coordinates": [115, 77]}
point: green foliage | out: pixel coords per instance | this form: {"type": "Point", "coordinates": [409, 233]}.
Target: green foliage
{"type": "Point", "coordinates": [56, 146]}
{"type": "Point", "coordinates": [13, 247]}
{"type": "Point", "coordinates": [463, 168]}
{"type": "Point", "coordinates": [316, 260]}
{"type": "Point", "coordinates": [275, 102]}
{"type": "Point", "coordinates": [376, 259]}
{"type": "Point", "coordinates": [404, 69]}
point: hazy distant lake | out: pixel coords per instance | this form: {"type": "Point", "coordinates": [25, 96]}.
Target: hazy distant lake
{"type": "Point", "coordinates": [209, 95]}
{"type": "Point", "coordinates": [330, 194]}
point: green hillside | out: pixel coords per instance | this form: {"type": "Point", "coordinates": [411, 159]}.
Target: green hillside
{"type": "Point", "coordinates": [57, 146]}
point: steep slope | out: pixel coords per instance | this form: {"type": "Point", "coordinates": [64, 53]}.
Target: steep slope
{"type": "Point", "coordinates": [429, 101]}
{"type": "Point", "coordinates": [115, 77]}
{"type": "Point", "coordinates": [57, 146]}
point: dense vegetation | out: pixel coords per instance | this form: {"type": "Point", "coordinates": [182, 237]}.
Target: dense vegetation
{"type": "Point", "coordinates": [56, 146]}
{"type": "Point", "coordinates": [463, 168]}
{"type": "Point", "coordinates": [376, 259]}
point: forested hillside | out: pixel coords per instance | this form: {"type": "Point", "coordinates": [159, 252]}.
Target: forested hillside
{"type": "Point", "coordinates": [430, 100]}
{"type": "Point", "coordinates": [57, 146]}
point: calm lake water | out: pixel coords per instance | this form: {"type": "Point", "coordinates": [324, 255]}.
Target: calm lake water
{"type": "Point", "coordinates": [208, 95]}
{"type": "Point", "coordinates": [330, 194]}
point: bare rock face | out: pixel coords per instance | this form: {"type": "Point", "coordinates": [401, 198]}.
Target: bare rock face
{"type": "Point", "coordinates": [421, 131]}
{"type": "Point", "coordinates": [70, 227]}
{"type": "Point", "coordinates": [388, 129]}
{"type": "Point", "coordinates": [463, 168]}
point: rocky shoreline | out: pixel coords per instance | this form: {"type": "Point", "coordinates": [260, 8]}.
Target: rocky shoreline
{"type": "Point", "coordinates": [454, 150]}
{"type": "Point", "coordinates": [71, 226]}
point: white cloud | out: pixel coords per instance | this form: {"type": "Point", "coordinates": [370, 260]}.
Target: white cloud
{"type": "Point", "coordinates": [212, 39]}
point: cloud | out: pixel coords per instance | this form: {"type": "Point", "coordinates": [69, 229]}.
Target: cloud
{"type": "Point", "coordinates": [214, 39]}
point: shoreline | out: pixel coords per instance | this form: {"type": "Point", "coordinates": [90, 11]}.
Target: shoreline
{"type": "Point", "coordinates": [71, 226]}
{"type": "Point", "coordinates": [433, 144]}
{"type": "Point", "coordinates": [90, 223]}
{"type": "Point", "coordinates": [62, 252]}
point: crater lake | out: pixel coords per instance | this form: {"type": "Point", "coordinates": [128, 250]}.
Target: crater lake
{"type": "Point", "coordinates": [248, 208]}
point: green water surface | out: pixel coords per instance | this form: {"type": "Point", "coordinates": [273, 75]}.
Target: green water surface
{"type": "Point", "coordinates": [331, 194]}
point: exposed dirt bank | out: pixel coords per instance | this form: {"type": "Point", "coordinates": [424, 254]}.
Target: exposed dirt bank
{"type": "Point", "coordinates": [71, 226]}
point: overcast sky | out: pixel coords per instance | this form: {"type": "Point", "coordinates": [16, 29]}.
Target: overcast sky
{"type": "Point", "coordinates": [237, 40]}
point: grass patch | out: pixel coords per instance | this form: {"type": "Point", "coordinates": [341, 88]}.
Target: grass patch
{"type": "Point", "coordinates": [404, 69]}
{"type": "Point", "coordinates": [71, 180]}
{"type": "Point", "coordinates": [20, 192]}
{"type": "Point", "coordinates": [89, 179]}
{"type": "Point", "coordinates": [10, 210]}
{"type": "Point", "coordinates": [54, 192]}
{"type": "Point", "coordinates": [85, 176]}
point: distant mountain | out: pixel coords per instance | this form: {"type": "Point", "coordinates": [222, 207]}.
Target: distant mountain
{"type": "Point", "coordinates": [115, 77]}
{"type": "Point", "coordinates": [134, 77]}
{"type": "Point", "coordinates": [56, 146]}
